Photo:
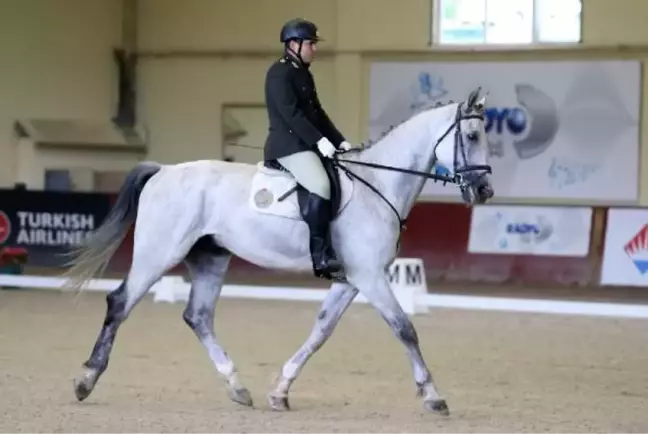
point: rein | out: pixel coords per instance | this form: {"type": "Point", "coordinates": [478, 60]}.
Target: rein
{"type": "Point", "coordinates": [457, 179]}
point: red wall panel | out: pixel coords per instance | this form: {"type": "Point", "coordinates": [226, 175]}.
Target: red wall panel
{"type": "Point", "coordinates": [438, 233]}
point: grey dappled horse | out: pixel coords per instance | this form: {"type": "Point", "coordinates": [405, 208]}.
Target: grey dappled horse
{"type": "Point", "coordinates": [202, 213]}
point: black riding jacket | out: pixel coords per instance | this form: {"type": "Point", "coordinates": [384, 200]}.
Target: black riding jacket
{"type": "Point", "coordinates": [297, 119]}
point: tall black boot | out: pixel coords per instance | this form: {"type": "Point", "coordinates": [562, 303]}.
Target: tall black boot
{"type": "Point", "coordinates": [317, 213]}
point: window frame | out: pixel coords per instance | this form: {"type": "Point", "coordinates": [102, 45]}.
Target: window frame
{"type": "Point", "coordinates": [435, 30]}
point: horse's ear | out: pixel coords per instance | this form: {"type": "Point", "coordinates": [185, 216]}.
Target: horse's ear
{"type": "Point", "coordinates": [480, 105]}
{"type": "Point", "coordinates": [472, 98]}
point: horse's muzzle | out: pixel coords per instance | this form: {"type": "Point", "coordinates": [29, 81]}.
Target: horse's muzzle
{"type": "Point", "coordinates": [477, 189]}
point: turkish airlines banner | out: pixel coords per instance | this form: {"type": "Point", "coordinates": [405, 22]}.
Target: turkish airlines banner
{"type": "Point", "coordinates": [47, 223]}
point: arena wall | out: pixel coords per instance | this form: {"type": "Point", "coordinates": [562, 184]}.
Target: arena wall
{"type": "Point", "coordinates": [56, 64]}
{"type": "Point", "coordinates": [205, 41]}
{"type": "Point", "coordinates": [198, 57]}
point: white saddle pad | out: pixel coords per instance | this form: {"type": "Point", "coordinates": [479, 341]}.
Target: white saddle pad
{"type": "Point", "coordinates": [273, 192]}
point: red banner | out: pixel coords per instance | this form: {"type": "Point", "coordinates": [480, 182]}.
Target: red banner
{"type": "Point", "coordinates": [438, 234]}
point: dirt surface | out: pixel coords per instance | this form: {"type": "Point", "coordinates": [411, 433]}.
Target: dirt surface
{"type": "Point", "coordinates": [500, 372]}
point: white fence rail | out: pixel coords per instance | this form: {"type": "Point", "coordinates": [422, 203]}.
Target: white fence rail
{"type": "Point", "coordinates": [407, 276]}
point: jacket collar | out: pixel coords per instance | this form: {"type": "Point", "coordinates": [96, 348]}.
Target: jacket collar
{"type": "Point", "coordinates": [294, 60]}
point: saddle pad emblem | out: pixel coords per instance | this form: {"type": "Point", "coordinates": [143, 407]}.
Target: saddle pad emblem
{"type": "Point", "coordinates": [263, 198]}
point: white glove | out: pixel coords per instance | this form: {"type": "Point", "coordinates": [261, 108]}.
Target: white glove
{"type": "Point", "coordinates": [325, 147]}
{"type": "Point", "coordinates": [345, 146]}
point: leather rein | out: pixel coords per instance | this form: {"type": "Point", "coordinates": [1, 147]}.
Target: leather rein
{"type": "Point", "coordinates": [457, 178]}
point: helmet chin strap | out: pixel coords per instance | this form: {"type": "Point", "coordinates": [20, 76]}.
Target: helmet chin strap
{"type": "Point", "coordinates": [298, 54]}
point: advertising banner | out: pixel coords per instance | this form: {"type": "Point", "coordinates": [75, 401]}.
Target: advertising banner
{"type": "Point", "coordinates": [47, 223]}
{"type": "Point", "coordinates": [557, 129]}
{"type": "Point", "coordinates": [625, 258]}
{"type": "Point", "coordinates": [530, 230]}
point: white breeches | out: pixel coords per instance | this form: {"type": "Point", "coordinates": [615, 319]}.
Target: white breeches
{"type": "Point", "coordinates": [308, 170]}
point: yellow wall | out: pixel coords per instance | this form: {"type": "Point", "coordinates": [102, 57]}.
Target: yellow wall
{"type": "Point", "coordinates": [196, 55]}
{"type": "Point", "coordinates": [205, 53]}
{"type": "Point", "coordinates": [56, 62]}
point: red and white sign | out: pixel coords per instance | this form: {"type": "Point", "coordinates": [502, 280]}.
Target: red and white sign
{"type": "Point", "coordinates": [5, 227]}
{"type": "Point", "coordinates": [625, 258]}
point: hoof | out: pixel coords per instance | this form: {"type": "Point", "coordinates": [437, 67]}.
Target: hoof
{"type": "Point", "coordinates": [240, 396]}
{"type": "Point", "coordinates": [82, 390]}
{"type": "Point", "coordinates": [84, 384]}
{"type": "Point", "coordinates": [279, 403]}
{"type": "Point", "coordinates": [438, 406]}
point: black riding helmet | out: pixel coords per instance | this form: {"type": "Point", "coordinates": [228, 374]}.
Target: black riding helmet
{"type": "Point", "coordinates": [300, 30]}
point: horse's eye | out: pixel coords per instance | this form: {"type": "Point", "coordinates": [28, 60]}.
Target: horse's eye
{"type": "Point", "coordinates": [473, 136]}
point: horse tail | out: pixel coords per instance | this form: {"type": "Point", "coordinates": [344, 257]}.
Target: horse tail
{"type": "Point", "coordinates": [91, 257]}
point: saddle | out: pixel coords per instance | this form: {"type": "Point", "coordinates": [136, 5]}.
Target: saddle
{"type": "Point", "coordinates": [273, 187]}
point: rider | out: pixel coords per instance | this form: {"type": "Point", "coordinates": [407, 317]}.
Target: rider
{"type": "Point", "coordinates": [301, 133]}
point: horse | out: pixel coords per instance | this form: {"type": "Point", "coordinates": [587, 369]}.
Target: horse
{"type": "Point", "coordinates": [203, 212]}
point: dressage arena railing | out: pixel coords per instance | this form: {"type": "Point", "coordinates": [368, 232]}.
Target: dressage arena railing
{"type": "Point", "coordinates": [406, 275]}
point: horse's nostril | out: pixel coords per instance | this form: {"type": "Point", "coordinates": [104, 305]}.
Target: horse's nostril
{"type": "Point", "coordinates": [485, 192]}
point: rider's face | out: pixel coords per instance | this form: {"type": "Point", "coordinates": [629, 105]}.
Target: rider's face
{"type": "Point", "coordinates": [308, 50]}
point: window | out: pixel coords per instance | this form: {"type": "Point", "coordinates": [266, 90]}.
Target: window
{"type": "Point", "coordinates": [471, 22]}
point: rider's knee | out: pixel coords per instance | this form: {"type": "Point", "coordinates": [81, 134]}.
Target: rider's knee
{"type": "Point", "coordinates": [323, 188]}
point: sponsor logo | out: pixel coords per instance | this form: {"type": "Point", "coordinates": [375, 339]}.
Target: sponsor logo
{"type": "Point", "coordinates": [5, 227]}
{"type": "Point", "coordinates": [637, 249]}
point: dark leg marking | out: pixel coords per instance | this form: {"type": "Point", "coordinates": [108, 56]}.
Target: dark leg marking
{"type": "Point", "coordinates": [199, 315]}
{"type": "Point", "coordinates": [98, 361]}
{"type": "Point", "coordinates": [406, 331]}
{"type": "Point", "coordinates": [384, 301]}
{"type": "Point", "coordinates": [207, 264]}
{"type": "Point", "coordinates": [115, 313]}
{"type": "Point", "coordinates": [321, 315]}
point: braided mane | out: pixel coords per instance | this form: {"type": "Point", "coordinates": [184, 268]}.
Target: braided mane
{"type": "Point", "coordinates": [422, 108]}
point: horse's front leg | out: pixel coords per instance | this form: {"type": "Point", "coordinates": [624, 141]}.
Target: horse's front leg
{"type": "Point", "coordinates": [378, 292]}
{"type": "Point", "coordinates": [338, 298]}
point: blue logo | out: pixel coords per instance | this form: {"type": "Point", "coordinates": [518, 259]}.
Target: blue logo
{"type": "Point", "coordinates": [522, 228]}
{"type": "Point", "coordinates": [511, 120]}
{"type": "Point", "coordinates": [564, 173]}
{"type": "Point", "coordinates": [529, 232]}
{"type": "Point", "coordinates": [429, 88]}
{"type": "Point", "coordinates": [532, 123]}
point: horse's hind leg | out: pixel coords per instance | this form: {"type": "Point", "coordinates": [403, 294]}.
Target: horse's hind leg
{"type": "Point", "coordinates": [207, 264]}
{"type": "Point", "coordinates": [337, 300]}
{"type": "Point", "coordinates": [146, 269]}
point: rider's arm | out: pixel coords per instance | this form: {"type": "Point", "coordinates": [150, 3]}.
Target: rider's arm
{"type": "Point", "coordinates": [282, 92]}
{"type": "Point", "coordinates": [329, 128]}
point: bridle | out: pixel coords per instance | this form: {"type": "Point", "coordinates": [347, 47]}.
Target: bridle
{"type": "Point", "coordinates": [458, 172]}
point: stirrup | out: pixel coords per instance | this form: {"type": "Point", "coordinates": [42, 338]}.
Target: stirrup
{"type": "Point", "coordinates": [337, 275]}
{"type": "Point", "coordinates": [331, 272]}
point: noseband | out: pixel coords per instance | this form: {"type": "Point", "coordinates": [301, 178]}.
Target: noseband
{"type": "Point", "coordinates": [458, 171]}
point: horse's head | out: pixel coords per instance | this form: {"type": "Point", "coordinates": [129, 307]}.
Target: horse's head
{"type": "Point", "coordinates": [462, 147]}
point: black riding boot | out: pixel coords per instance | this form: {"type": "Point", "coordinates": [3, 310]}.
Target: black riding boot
{"type": "Point", "coordinates": [317, 213]}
